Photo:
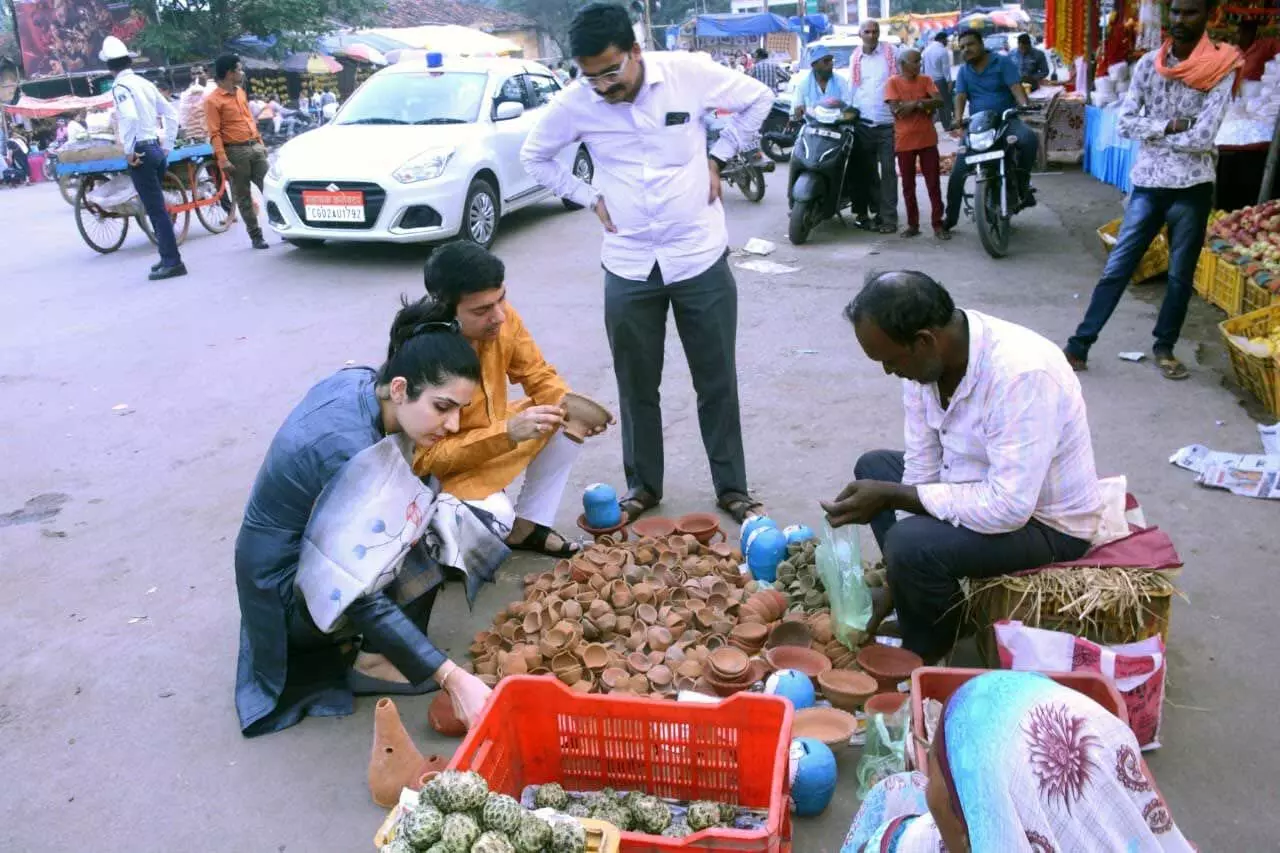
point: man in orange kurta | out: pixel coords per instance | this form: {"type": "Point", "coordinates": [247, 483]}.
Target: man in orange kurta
{"type": "Point", "coordinates": [497, 440]}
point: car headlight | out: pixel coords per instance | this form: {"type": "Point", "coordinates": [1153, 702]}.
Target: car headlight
{"type": "Point", "coordinates": [423, 167]}
{"type": "Point", "coordinates": [983, 140]}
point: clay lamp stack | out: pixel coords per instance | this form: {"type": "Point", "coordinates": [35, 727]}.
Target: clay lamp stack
{"type": "Point", "coordinates": [729, 671]}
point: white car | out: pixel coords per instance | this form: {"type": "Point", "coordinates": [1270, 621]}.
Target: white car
{"type": "Point", "coordinates": [421, 152]}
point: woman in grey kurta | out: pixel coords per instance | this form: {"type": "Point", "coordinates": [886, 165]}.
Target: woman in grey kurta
{"type": "Point", "coordinates": [287, 667]}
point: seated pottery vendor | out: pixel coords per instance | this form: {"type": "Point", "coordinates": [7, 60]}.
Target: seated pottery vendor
{"type": "Point", "coordinates": [1019, 762]}
{"type": "Point", "coordinates": [497, 440]}
{"type": "Point", "coordinates": [998, 474]}
{"type": "Point", "coordinates": [288, 667]}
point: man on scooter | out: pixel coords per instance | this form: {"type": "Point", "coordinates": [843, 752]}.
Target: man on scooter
{"type": "Point", "coordinates": [989, 81]}
{"type": "Point", "coordinates": [819, 85]}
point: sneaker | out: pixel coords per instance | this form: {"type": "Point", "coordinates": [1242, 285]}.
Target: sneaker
{"type": "Point", "coordinates": [259, 243]}
{"type": "Point", "coordinates": [178, 269]}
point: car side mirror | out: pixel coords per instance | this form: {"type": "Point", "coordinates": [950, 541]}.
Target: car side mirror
{"type": "Point", "coordinates": [508, 110]}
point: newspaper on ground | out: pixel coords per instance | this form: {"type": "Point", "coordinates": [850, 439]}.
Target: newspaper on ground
{"type": "Point", "coordinates": [1254, 475]}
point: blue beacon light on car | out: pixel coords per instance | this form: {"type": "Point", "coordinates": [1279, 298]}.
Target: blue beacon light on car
{"type": "Point", "coordinates": [435, 59]}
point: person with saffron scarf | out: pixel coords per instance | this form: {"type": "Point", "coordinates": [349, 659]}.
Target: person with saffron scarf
{"type": "Point", "coordinates": [1021, 763]}
{"type": "Point", "coordinates": [1174, 107]}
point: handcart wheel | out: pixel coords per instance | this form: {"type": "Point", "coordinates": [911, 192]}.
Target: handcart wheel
{"type": "Point", "coordinates": [174, 196]}
{"type": "Point", "coordinates": [212, 198]}
{"type": "Point", "coordinates": [102, 230]}
{"type": "Point", "coordinates": [69, 185]}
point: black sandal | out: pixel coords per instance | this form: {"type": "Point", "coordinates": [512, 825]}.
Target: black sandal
{"type": "Point", "coordinates": [740, 505]}
{"type": "Point", "coordinates": [637, 502]}
{"type": "Point", "coordinates": [536, 542]}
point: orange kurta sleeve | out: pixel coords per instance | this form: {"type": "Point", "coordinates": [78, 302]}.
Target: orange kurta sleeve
{"type": "Point", "coordinates": [528, 369]}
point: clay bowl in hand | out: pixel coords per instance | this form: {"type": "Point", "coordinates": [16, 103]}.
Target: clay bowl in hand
{"type": "Point", "coordinates": [728, 664]}
{"type": "Point", "coordinates": [443, 718]}
{"type": "Point", "coordinates": [790, 634]}
{"type": "Point", "coordinates": [829, 725]}
{"type": "Point", "coordinates": [582, 416]}
{"type": "Point", "coordinates": [653, 527]}
{"type": "Point", "coordinates": [703, 526]}
{"type": "Point", "coordinates": [847, 689]}
{"type": "Point", "coordinates": [888, 665]}
{"type": "Point", "coordinates": [808, 661]}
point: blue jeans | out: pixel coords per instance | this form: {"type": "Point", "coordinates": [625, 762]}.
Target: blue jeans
{"type": "Point", "coordinates": [1028, 144]}
{"type": "Point", "coordinates": [1186, 212]}
{"type": "Point", "coordinates": [147, 177]}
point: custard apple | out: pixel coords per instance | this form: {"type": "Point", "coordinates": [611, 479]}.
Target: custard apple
{"type": "Point", "coordinates": [399, 844]}
{"type": "Point", "coordinates": [533, 835]}
{"type": "Point", "coordinates": [501, 814]}
{"type": "Point", "coordinates": [568, 836]}
{"type": "Point", "coordinates": [629, 801]}
{"type": "Point", "coordinates": [492, 842]}
{"type": "Point", "coordinates": [703, 814]}
{"type": "Point", "coordinates": [612, 812]}
{"type": "Point", "coordinates": [578, 808]}
{"type": "Point", "coordinates": [454, 791]}
{"type": "Point", "coordinates": [728, 812]}
{"type": "Point", "coordinates": [550, 796]}
{"type": "Point", "coordinates": [422, 826]}
{"type": "Point", "coordinates": [679, 829]}
{"type": "Point", "coordinates": [651, 815]}
{"type": "Point", "coordinates": [459, 833]}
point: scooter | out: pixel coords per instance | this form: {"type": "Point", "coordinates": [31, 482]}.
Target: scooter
{"type": "Point", "coordinates": [822, 153]}
{"type": "Point", "coordinates": [991, 151]}
{"type": "Point", "coordinates": [779, 131]}
{"type": "Point", "coordinates": [738, 171]}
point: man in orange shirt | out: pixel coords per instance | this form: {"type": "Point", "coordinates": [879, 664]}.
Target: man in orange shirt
{"type": "Point", "coordinates": [1257, 51]}
{"type": "Point", "coordinates": [236, 141]}
{"type": "Point", "coordinates": [913, 99]}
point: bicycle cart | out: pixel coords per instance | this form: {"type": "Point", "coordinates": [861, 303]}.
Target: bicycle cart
{"type": "Point", "coordinates": [193, 182]}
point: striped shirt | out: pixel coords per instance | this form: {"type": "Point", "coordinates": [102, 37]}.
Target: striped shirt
{"type": "Point", "coordinates": [770, 73]}
{"type": "Point", "coordinates": [1013, 444]}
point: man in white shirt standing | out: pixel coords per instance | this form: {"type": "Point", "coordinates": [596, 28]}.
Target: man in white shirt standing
{"type": "Point", "coordinates": [998, 474]}
{"type": "Point", "coordinates": [140, 109]}
{"type": "Point", "coordinates": [870, 67]}
{"type": "Point", "coordinates": [658, 198]}
{"type": "Point", "coordinates": [936, 61]}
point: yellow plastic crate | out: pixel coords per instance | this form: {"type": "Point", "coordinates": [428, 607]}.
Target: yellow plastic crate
{"type": "Point", "coordinates": [1260, 375]}
{"type": "Point", "coordinates": [1227, 290]}
{"type": "Point", "coordinates": [1255, 297]}
{"type": "Point", "coordinates": [1204, 273]}
{"type": "Point", "coordinates": [1154, 263]}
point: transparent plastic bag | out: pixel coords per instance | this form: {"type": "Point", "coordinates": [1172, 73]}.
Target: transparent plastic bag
{"type": "Point", "coordinates": [885, 752]}
{"type": "Point", "coordinates": [839, 559]}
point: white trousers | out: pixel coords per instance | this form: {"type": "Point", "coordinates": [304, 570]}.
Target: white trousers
{"type": "Point", "coordinates": [543, 487]}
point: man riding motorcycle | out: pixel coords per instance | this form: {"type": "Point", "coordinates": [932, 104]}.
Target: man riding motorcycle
{"type": "Point", "coordinates": [989, 81]}
{"type": "Point", "coordinates": [821, 84]}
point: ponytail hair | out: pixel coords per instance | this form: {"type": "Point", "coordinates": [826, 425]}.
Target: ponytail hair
{"type": "Point", "coordinates": [426, 348]}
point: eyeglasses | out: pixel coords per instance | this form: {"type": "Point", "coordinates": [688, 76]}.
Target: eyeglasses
{"type": "Point", "coordinates": [607, 77]}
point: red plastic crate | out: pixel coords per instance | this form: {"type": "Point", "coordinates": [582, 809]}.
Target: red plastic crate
{"type": "Point", "coordinates": [939, 682]}
{"type": "Point", "coordinates": [535, 730]}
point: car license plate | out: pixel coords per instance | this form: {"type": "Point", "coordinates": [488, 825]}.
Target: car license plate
{"type": "Point", "coordinates": [982, 158]}
{"type": "Point", "coordinates": [325, 206]}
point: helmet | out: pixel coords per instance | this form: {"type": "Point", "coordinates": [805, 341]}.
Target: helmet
{"type": "Point", "coordinates": [113, 48]}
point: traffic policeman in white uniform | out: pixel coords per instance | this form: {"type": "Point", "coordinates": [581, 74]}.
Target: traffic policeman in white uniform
{"type": "Point", "coordinates": [140, 108]}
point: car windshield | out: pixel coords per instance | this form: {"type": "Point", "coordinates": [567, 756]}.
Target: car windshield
{"type": "Point", "coordinates": [840, 53]}
{"type": "Point", "coordinates": [426, 98]}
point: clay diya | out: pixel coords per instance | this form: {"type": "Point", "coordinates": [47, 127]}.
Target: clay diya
{"type": "Point", "coordinates": [654, 527]}
{"type": "Point", "coordinates": [847, 689]}
{"type": "Point", "coordinates": [728, 663]}
{"type": "Point", "coordinates": [582, 415]}
{"type": "Point", "coordinates": [888, 665]}
{"type": "Point", "coordinates": [595, 656]}
{"type": "Point", "coordinates": [702, 526]}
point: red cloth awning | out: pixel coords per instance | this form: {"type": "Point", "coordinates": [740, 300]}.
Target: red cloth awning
{"type": "Point", "coordinates": [46, 107]}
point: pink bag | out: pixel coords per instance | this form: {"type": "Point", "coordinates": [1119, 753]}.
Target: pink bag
{"type": "Point", "coordinates": [1137, 669]}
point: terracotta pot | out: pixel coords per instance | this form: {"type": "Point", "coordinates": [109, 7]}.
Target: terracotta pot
{"type": "Point", "coordinates": [567, 668]}
{"type": "Point", "coordinates": [715, 641]}
{"type": "Point", "coordinates": [647, 613]}
{"type": "Point", "coordinates": [637, 639]}
{"type": "Point", "coordinates": [443, 718]}
{"type": "Point", "coordinates": [805, 660]}
{"type": "Point", "coordinates": [532, 657]}
{"type": "Point", "coordinates": [583, 686]}
{"type": "Point", "coordinates": [607, 624]}
{"type": "Point", "coordinates": [532, 623]}
{"type": "Point", "coordinates": [703, 526]}
{"type": "Point", "coordinates": [829, 725]}
{"type": "Point", "coordinates": [613, 676]}
{"type": "Point", "coordinates": [885, 703]}
{"type": "Point", "coordinates": [639, 662]}
{"type": "Point", "coordinates": [660, 677]}
{"type": "Point", "coordinates": [689, 668]}
{"type": "Point", "coordinates": [595, 656]}
{"type": "Point", "coordinates": [659, 638]}
{"type": "Point", "coordinates": [598, 608]}
{"type": "Point", "coordinates": [722, 551]}
{"type": "Point", "coordinates": [657, 658]}
{"type": "Point", "coordinates": [751, 634]}
{"type": "Point", "coordinates": [686, 684]}
{"type": "Point", "coordinates": [675, 623]}
{"type": "Point", "coordinates": [654, 526]}
{"type": "Point", "coordinates": [486, 666]}
{"type": "Point", "coordinates": [675, 655]}
{"type": "Point", "coordinates": [513, 663]}
{"type": "Point", "coordinates": [729, 663]}
{"type": "Point", "coordinates": [611, 572]}
{"type": "Point", "coordinates": [646, 555]}
{"type": "Point", "coordinates": [394, 760]}
{"type": "Point", "coordinates": [722, 687]}
{"type": "Point", "coordinates": [431, 767]}
{"type": "Point", "coordinates": [820, 625]}
{"type": "Point", "coordinates": [790, 634]}
{"type": "Point", "coordinates": [888, 665]}
{"type": "Point", "coordinates": [847, 689]}
{"type": "Point", "coordinates": [553, 642]}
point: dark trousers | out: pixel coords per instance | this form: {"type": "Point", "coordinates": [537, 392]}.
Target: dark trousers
{"type": "Point", "coordinates": [1186, 212]}
{"type": "Point", "coordinates": [147, 177]}
{"type": "Point", "coordinates": [1028, 144]}
{"type": "Point", "coordinates": [250, 163]}
{"type": "Point", "coordinates": [876, 191]}
{"type": "Point", "coordinates": [925, 559]}
{"type": "Point", "coordinates": [635, 318]}
{"type": "Point", "coordinates": [929, 166]}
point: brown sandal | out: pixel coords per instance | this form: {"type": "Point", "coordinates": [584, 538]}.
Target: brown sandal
{"type": "Point", "coordinates": [637, 502]}
{"type": "Point", "coordinates": [740, 506]}
{"type": "Point", "coordinates": [1170, 367]}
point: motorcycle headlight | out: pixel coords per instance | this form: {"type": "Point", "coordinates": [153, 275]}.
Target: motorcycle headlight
{"type": "Point", "coordinates": [983, 140]}
{"type": "Point", "coordinates": [423, 167]}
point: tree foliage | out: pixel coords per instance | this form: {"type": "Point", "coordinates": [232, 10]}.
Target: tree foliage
{"type": "Point", "coordinates": [184, 30]}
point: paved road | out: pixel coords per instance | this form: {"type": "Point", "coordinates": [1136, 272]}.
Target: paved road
{"type": "Point", "coordinates": [117, 731]}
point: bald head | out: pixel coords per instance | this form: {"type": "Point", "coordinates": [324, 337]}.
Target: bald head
{"type": "Point", "coordinates": [905, 321]}
{"type": "Point", "coordinates": [909, 62]}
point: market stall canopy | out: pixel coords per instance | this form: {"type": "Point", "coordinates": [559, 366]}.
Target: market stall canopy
{"type": "Point", "coordinates": [362, 53]}
{"type": "Point", "coordinates": [1010, 19]}
{"type": "Point", "coordinates": [312, 63]}
{"type": "Point", "coordinates": [29, 107]}
{"type": "Point", "coordinates": [451, 39]}
{"type": "Point", "coordinates": [729, 26]}
{"type": "Point", "coordinates": [334, 43]}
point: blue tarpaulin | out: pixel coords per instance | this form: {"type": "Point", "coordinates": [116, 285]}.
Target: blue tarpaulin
{"type": "Point", "coordinates": [731, 26]}
{"type": "Point", "coordinates": [812, 27]}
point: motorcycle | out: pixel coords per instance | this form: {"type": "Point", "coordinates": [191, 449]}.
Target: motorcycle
{"type": "Point", "coordinates": [823, 152]}
{"type": "Point", "coordinates": [738, 171]}
{"type": "Point", "coordinates": [991, 151]}
{"type": "Point", "coordinates": [779, 131]}
{"type": "Point", "coordinates": [293, 123]}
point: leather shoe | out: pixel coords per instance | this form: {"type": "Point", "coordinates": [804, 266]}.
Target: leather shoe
{"type": "Point", "coordinates": [158, 265]}
{"type": "Point", "coordinates": [259, 243]}
{"type": "Point", "coordinates": [168, 272]}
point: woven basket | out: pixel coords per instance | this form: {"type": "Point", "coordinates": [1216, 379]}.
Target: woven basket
{"type": "Point", "coordinates": [1260, 375]}
{"type": "Point", "coordinates": [1154, 263]}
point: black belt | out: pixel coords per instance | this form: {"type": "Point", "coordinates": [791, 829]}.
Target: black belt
{"type": "Point", "coordinates": [240, 144]}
